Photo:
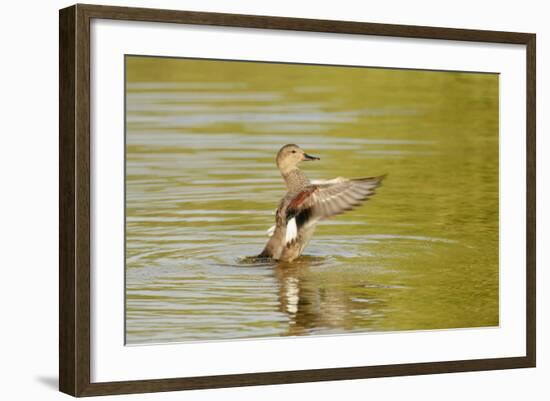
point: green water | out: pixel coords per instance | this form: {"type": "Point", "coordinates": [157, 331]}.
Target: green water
{"type": "Point", "coordinates": [202, 187]}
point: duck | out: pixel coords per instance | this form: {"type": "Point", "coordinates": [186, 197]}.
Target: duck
{"type": "Point", "coordinates": [306, 203]}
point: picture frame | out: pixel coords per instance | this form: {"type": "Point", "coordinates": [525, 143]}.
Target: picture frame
{"type": "Point", "coordinates": [76, 337]}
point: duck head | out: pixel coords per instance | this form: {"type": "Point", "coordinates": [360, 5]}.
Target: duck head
{"type": "Point", "coordinates": [289, 156]}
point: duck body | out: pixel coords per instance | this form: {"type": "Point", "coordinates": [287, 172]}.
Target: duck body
{"type": "Point", "coordinates": [288, 242]}
{"type": "Point", "coordinates": [306, 203]}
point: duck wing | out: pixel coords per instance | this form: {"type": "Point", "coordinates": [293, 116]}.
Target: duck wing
{"type": "Point", "coordinates": [323, 200]}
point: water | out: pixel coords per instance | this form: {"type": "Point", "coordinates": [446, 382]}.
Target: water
{"type": "Point", "coordinates": [202, 188]}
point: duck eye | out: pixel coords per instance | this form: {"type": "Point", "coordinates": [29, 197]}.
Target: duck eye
{"type": "Point", "coordinates": [293, 151]}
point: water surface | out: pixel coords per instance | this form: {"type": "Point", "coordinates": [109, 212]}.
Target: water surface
{"type": "Point", "coordinates": [202, 188]}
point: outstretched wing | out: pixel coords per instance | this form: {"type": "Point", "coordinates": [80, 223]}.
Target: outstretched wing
{"type": "Point", "coordinates": [336, 196]}
{"type": "Point", "coordinates": [322, 201]}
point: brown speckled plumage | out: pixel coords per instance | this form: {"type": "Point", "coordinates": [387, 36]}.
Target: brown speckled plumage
{"type": "Point", "coordinates": [295, 180]}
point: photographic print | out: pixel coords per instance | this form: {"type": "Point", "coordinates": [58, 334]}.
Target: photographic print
{"type": "Point", "coordinates": [271, 199]}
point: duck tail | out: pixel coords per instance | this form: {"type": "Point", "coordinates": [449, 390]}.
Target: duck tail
{"type": "Point", "coordinates": [265, 254]}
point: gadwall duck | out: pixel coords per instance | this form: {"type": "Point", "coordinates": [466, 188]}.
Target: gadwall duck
{"type": "Point", "coordinates": [307, 202]}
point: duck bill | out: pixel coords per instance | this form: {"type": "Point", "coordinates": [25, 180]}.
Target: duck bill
{"type": "Point", "coordinates": [310, 158]}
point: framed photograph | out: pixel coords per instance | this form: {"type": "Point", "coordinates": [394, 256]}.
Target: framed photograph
{"type": "Point", "coordinates": [250, 200]}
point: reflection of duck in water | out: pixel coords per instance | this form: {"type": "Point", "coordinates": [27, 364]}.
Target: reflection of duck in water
{"type": "Point", "coordinates": [305, 203]}
{"type": "Point", "coordinates": [321, 302]}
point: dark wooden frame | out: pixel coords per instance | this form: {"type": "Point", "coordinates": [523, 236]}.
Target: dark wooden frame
{"type": "Point", "coordinates": [74, 199]}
